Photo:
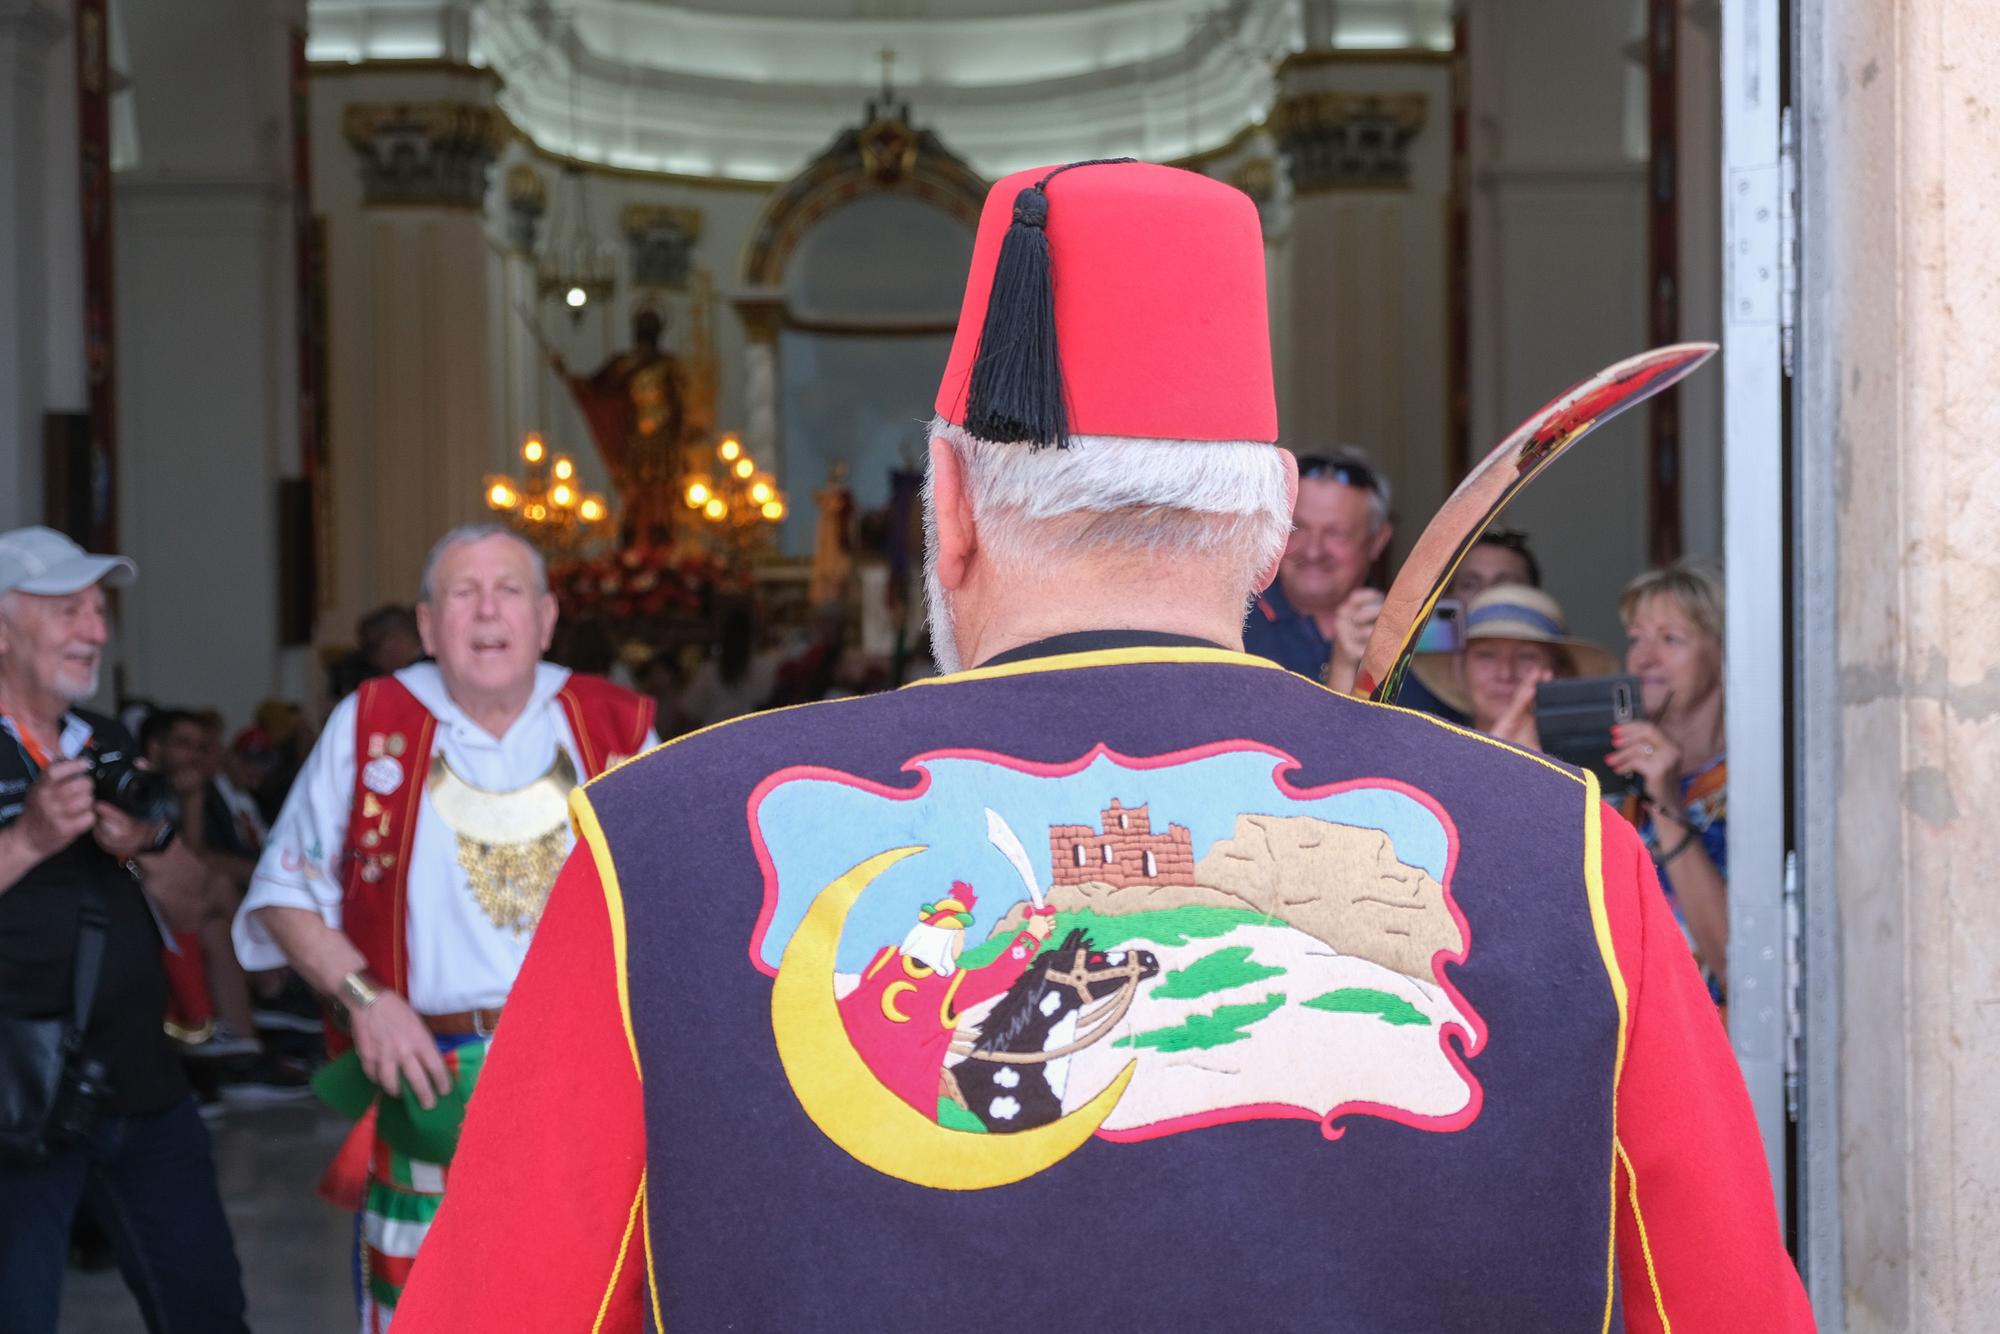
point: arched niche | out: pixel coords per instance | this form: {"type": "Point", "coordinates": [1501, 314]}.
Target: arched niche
{"type": "Point", "coordinates": [851, 285]}
{"type": "Point", "coordinates": [870, 301]}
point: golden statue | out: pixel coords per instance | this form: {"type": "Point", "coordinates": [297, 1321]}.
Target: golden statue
{"type": "Point", "coordinates": [645, 407]}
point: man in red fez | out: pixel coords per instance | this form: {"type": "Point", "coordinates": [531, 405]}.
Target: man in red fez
{"type": "Point", "coordinates": [1359, 1022]}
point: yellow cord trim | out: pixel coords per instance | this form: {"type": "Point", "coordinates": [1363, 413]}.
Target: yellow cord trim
{"type": "Point", "coordinates": [1456, 730]}
{"type": "Point", "coordinates": [592, 834]}
{"type": "Point", "coordinates": [1104, 657]}
{"type": "Point", "coordinates": [1600, 925]}
{"type": "Point", "coordinates": [1600, 914]}
{"type": "Point", "coordinates": [624, 1249]}
{"type": "Point", "coordinates": [652, 1279]}
{"type": "Point", "coordinates": [1645, 1246]}
{"type": "Point", "coordinates": [1112, 657]}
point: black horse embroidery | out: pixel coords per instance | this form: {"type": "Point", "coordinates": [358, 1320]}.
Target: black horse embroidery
{"type": "Point", "coordinates": [1017, 1095]}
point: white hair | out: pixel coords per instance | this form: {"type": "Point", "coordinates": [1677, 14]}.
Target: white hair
{"type": "Point", "coordinates": [1217, 500]}
{"type": "Point", "coordinates": [479, 532]}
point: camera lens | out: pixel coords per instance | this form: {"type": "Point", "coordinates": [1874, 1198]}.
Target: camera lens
{"type": "Point", "coordinates": [140, 793]}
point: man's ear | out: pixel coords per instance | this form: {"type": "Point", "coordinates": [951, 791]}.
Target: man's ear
{"type": "Point", "coordinates": [956, 537]}
{"type": "Point", "coordinates": [548, 613]}
{"type": "Point", "coordinates": [1380, 542]}
{"type": "Point", "coordinates": [424, 628]}
{"type": "Point", "coordinates": [1291, 461]}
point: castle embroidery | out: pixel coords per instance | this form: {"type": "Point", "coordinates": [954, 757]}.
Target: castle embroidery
{"type": "Point", "coordinates": [1123, 852]}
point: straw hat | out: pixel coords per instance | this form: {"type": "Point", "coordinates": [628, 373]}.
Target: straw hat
{"type": "Point", "coordinates": [1516, 611]}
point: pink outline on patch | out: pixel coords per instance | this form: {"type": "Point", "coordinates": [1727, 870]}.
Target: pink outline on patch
{"type": "Point", "coordinates": [1469, 1042]}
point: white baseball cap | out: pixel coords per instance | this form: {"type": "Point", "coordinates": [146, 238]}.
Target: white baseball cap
{"type": "Point", "coordinates": [44, 562]}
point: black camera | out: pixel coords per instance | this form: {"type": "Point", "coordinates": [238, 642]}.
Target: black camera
{"type": "Point", "coordinates": [140, 793]}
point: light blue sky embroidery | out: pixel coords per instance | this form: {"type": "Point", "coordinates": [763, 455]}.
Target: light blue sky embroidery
{"type": "Point", "coordinates": [815, 829]}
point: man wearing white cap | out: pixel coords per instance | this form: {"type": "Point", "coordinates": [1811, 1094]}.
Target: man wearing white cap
{"type": "Point", "coordinates": [93, 1104]}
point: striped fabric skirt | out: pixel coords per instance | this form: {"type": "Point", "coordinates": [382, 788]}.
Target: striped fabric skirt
{"type": "Point", "coordinates": [403, 1196]}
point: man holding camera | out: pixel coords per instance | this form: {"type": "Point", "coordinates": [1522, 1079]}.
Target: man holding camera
{"type": "Point", "coordinates": [93, 1104]}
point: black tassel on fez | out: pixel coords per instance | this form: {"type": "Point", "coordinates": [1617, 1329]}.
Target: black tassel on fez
{"type": "Point", "coordinates": [1017, 390]}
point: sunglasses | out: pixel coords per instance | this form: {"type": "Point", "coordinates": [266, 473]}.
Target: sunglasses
{"type": "Point", "coordinates": [1346, 473]}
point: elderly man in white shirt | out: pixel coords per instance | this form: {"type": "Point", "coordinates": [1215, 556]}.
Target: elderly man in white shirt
{"type": "Point", "coordinates": [405, 875]}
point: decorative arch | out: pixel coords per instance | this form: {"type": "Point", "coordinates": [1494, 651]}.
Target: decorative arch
{"type": "Point", "coordinates": [885, 155]}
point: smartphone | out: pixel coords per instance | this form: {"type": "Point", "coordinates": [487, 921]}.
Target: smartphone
{"type": "Point", "coordinates": [1575, 718]}
{"type": "Point", "coordinates": [1444, 632]}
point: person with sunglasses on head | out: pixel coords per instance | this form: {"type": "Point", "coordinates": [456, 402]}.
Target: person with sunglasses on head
{"type": "Point", "coordinates": [1316, 616]}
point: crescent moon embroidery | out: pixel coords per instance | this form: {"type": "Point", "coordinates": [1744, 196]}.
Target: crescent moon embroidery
{"type": "Point", "coordinates": [889, 994]}
{"type": "Point", "coordinates": [855, 1110]}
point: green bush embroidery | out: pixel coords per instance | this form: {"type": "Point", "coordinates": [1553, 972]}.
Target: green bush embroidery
{"type": "Point", "coordinates": [1220, 971]}
{"type": "Point", "coordinates": [1199, 1031]}
{"type": "Point", "coordinates": [1389, 1008]}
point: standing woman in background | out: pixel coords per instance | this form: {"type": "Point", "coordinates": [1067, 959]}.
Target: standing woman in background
{"type": "Point", "coordinates": [1673, 625]}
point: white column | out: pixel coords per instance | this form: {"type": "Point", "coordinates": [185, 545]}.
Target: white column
{"type": "Point", "coordinates": [414, 288]}
{"type": "Point", "coordinates": [1902, 331]}
{"type": "Point", "coordinates": [30, 163]}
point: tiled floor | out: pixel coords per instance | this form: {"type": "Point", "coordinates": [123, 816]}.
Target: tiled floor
{"type": "Point", "coordinates": [296, 1248]}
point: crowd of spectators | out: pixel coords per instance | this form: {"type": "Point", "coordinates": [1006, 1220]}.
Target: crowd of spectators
{"type": "Point", "coordinates": [1667, 764]}
{"type": "Point", "coordinates": [238, 1039]}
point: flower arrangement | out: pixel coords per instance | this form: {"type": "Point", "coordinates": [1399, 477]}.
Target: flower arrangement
{"type": "Point", "coordinates": [641, 584]}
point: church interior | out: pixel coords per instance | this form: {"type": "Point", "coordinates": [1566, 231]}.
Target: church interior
{"type": "Point", "coordinates": [372, 270]}
{"type": "Point", "coordinates": [290, 288]}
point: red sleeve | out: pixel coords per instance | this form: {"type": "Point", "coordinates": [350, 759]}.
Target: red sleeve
{"type": "Point", "coordinates": [1699, 1245]}
{"type": "Point", "coordinates": [540, 1226]}
{"type": "Point", "coordinates": [983, 984]}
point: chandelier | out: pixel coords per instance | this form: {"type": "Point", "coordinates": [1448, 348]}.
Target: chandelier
{"type": "Point", "coordinates": [573, 266]}
{"type": "Point", "coordinates": [546, 505]}
{"type": "Point", "coordinates": [740, 502]}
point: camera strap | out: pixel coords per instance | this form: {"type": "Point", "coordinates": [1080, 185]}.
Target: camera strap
{"type": "Point", "coordinates": [96, 922]}
{"type": "Point", "coordinates": [76, 736]}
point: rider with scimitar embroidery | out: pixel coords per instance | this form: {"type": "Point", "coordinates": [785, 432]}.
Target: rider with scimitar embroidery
{"type": "Point", "coordinates": [1310, 1014]}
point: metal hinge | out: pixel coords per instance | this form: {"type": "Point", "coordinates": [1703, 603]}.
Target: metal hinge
{"type": "Point", "coordinates": [1788, 238]}
{"type": "Point", "coordinates": [1794, 981]}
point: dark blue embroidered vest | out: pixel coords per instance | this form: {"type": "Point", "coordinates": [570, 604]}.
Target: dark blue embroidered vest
{"type": "Point", "coordinates": [1150, 989]}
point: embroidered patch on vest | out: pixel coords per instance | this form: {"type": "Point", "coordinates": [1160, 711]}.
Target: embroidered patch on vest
{"type": "Point", "coordinates": [975, 976]}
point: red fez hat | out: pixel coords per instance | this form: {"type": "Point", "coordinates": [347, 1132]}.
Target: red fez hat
{"type": "Point", "coordinates": [1113, 298]}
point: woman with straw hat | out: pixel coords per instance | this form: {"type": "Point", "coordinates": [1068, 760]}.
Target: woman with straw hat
{"type": "Point", "coordinates": [1516, 637]}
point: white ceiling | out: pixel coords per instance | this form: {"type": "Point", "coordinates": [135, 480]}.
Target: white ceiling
{"type": "Point", "coordinates": [753, 89]}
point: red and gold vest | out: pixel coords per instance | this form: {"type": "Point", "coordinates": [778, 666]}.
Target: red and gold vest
{"type": "Point", "coordinates": [608, 722]}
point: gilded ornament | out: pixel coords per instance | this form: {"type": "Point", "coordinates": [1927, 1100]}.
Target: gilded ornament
{"type": "Point", "coordinates": [511, 844]}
